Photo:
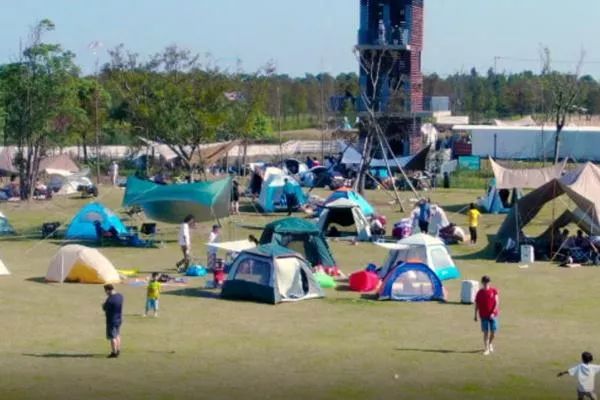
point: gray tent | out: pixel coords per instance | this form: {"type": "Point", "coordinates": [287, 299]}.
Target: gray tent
{"type": "Point", "coordinates": [271, 274]}
{"type": "Point", "coordinates": [582, 186]}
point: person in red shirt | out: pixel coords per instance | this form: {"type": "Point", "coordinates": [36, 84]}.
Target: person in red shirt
{"type": "Point", "coordinates": [486, 307]}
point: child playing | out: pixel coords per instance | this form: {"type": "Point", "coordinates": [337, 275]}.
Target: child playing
{"type": "Point", "coordinates": [586, 374]}
{"type": "Point", "coordinates": [473, 215]}
{"type": "Point", "coordinates": [152, 295]}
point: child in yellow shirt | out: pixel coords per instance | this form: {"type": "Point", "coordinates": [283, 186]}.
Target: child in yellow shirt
{"type": "Point", "coordinates": [152, 295]}
{"type": "Point", "coordinates": [473, 215]}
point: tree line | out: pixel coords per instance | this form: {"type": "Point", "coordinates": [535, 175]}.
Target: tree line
{"type": "Point", "coordinates": [183, 99]}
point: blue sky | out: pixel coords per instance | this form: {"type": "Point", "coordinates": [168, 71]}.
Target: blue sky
{"type": "Point", "coordinates": [313, 35]}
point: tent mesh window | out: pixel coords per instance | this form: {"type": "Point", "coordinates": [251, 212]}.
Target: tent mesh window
{"type": "Point", "coordinates": [440, 258]}
{"type": "Point", "coordinates": [411, 284]}
{"type": "Point", "coordinates": [254, 271]}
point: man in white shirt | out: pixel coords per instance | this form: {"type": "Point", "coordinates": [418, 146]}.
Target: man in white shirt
{"type": "Point", "coordinates": [212, 251]}
{"type": "Point", "coordinates": [114, 172]}
{"type": "Point", "coordinates": [586, 376]}
{"type": "Point", "coordinates": [185, 242]}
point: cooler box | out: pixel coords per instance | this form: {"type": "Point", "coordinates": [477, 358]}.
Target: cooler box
{"type": "Point", "coordinates": [468, 291]}
{"type": "Point", "coordinates": [527, 254]}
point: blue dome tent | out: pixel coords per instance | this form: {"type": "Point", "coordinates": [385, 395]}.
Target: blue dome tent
{"type": "Point", "coordinates": [412, 282]}
{"type": "Point", "coordinates": [346, 193]}
{"type": "Point", "coordinates": [272, 198]}
{"type": "Point", "coordinates": [82, 225]}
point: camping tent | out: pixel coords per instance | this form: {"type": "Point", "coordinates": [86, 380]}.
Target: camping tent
{"type": "Point", "coordinates": [206, 201]}
{"type": "Point", "coordinates": [5, 226]}
{"type": "Point", "coordinates": [65, 183]}
{"type": "Point", "coordinates": [61, 162]}
{"type": "Point", "coordinates": [271, 194]}
{"type": "Point", "coordinates": [347, 193]}
{"type": "Point", "coordinates": [423, 249]}
{"type": "Point", "coordinates": [74, 263]}
{"type": "Point", "coordinates": [302, 236]}
{"type": "Point", "coordinates": [3, 269]}
{"type": "Point", "coordinates": [505, 188]}
{"type": "Point", "coordinates": [7, 165]}
{"type": "Point", "coordinates": [411, 281]}
{"type": "Point", "coordinates": [439, 219]}
{"type": "Point", "coordinates": [498, 201]}
{"type": "Point", "coordinates": [582, 186]}
{"type": "Point", "coordinates": [271, 274]}
{"type": "Point", "coordinates": [82, 225]}
{"type": "Point", "coordinates": [415, 162]}
{"type": "Point", "coordinates": [345, 213]}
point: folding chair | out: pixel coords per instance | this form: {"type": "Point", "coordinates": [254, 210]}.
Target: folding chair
{"type": "Point", "coordinates": [581, 256]}
{"type": "Point", "coordinates": [148, 232]}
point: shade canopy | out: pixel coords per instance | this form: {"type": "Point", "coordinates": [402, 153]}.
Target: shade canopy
{"type": "Point", "coordinates": [206, 201]}
{"type": "Point", "coordinates": [507, 178]}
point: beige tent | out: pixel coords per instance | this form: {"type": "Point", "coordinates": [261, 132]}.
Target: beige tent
{"type": "Point", "coordinates": [75, 263]}
{"type": "Point", "coordinates": [507, 178]}
{"type": "Point", "coordinates": [61, 162]}
{"type": "Point", "coordinates": [3, 269]}
{"type": "Point", "coordinates": [582, 186]}
{"type": "Point", "coordinates": [7, 160]}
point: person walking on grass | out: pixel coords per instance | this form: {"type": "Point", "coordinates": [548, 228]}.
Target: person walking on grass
{"type": "Point", "coordinates": [473, 215]}
{"type": "Point", "coordinates": [290, 196]}
{"type": "Point", "coordinates": [185, 243]}
{"type": "Point", "coordinates": [586, 376]}
{"type": "Point", "coordinates": [152, 295]}
{"type": "Point", "coordinates": [424, 215]}
{"type": "Point", "coordinates": [213, 238]}
{"type": "Point", "coordinates": [113, 309]}
{"type": "Point", "coordinates": [235, 198]}
{"type": "Point", "coordinates": [487, 302]}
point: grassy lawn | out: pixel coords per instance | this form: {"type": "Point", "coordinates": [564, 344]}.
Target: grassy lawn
{"type": "Point", "coordinates": [343, 347]}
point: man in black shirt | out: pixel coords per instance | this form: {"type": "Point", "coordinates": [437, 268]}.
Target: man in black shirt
{"type": "Point", "coordinates": [113, 308]}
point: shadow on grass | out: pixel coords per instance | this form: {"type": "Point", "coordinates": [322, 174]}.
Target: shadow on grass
{"type": "Point", "coordinates": [456, 208]}
{"type": "Point", "coordinates": [64, 355]}
{"type": "Point", "coordinates": [37, 279]}
{"type": "Point", "coordinates": [194, 292]}
{"type": "Point", "coordinates": [486, 253]}
{"type": "Point", "coordinates": [438, 351]}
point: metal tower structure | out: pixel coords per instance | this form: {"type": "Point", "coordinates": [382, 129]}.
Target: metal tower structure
{"type": "Point", "coordinates": [390, 43]}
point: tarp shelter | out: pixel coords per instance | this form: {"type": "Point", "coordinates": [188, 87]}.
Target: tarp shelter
{"type": "Point", "coordinates": [82, 225]}
{"type": "Point", "coordinates": [302, 236]}
{"type": "Point", "coordinates": [272, 198]}
{"type": "Point", "coordinates": [415, 162]}
{"type": "Point", "coordinates": [271, 274]}
{"type": "Point", "coordinates": [206, 201]}
{"type": "Point", "coordinates": [5, 226]}
{"type": "Point", "coordinates": [75, 263]}
{"type": "Point", "coordinates": [347, 193]}
{"type": "Point", "coordinates": [510, 178]}
{"type": "Point", "coordinates": [61, 162]}
{"type": "Point", "coordinates": [412, 281]}
{"type": "Point", "coordinates": [423, 249]}
{"type": "Point", "coordinates": [65, 183]}
{"type": "Point", "coordinates": [211, 154]}
{"type": "Point", "coordinates": [582, 186]}
{"type": "Point", "coordinates": [345, 213]}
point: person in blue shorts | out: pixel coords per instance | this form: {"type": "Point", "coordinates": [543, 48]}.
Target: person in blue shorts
{"type": "Point", "coordinates": [113, 309]}
{"type": "Point", "coordinates": [486, 307]}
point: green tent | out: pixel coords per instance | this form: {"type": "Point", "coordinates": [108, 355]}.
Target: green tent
{"type": "Point", "coordinates": [302, 236]}
{"type": "Point", "coordinates": [206, 201]}
{"type": "Point", "coordinates": [271, 274]}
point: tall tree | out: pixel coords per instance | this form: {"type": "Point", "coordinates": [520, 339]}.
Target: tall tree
{"type": "Point", "coordinates": [564, 90]}
{"type": "Point", "coordinates": [38, 99]}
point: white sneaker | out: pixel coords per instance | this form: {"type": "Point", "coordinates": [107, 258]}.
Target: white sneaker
{"type": "Point", "coordinates": [491, 348]}
{"type": "Point", "coordinates": [486, 352]}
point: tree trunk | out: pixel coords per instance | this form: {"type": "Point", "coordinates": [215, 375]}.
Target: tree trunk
{"type": "Point", "coordinates": [364, 163]}
{"type": "Point", "coordinates": [242, 167]}
{"type": "Point", "coordinates": [84, 145]}
{"type": "Point", "coordinates": [557, 144]}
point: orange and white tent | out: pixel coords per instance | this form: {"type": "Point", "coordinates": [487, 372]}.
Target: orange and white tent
{"type": "Point", "coordinates": [75, 263]}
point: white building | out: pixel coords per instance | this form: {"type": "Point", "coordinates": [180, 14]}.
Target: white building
{"type": "Point", "coordinates": [532, 142]}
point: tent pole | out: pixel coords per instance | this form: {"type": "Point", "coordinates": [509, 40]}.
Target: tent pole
{"type": "Point", "coordinates": [397, 163]}
{"type": "Point", "coordinates": [389, 170]}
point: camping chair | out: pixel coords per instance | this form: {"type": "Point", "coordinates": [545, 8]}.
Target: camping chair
{"type": "Point", "coordinates": [582, 256]}
{"type": "Point", "coordinates": [148, 232]}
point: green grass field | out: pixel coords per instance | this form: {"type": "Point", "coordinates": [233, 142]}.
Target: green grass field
{"type": "Point", "coordinates": [343, 347]}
